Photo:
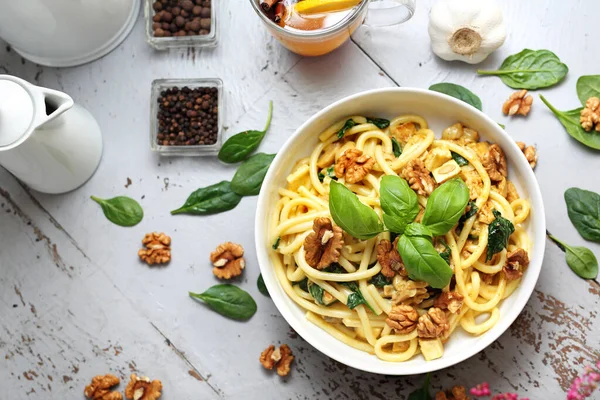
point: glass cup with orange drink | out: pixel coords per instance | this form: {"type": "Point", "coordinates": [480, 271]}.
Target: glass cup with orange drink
{"type": "Point", "coordinates": [317, 27]}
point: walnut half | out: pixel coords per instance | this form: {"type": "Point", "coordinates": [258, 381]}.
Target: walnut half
{"type": "Point", "coordinates": [457, 393]}
{"type": "Point", "coordinates": [432, 325]}
{"type": "Point", "coordinates": [516, 262]}
{"type": "Point", "coordinates": [228, 260]}
{"type": "Point", "coordinates": [494, 162]}
{"type": "Point", "coordinates": [389, 258]}
{"type": "Point", "coordinates": [418, 177]}
{"type": "Point", "coordinates": [403, 319]}
{"type": "Point", "coordinates": [353, 165]}
{"type": "Point", "coordinates": [529, 152]}
{"type": "Point", "coordinates": [141, 388]}
{"type": "Point", "coordinates": [158, 249]}
{"type": "Point", "coordinates": [323, 245]}
{"type": "Point", "coordinates": [451, 301]}
{"type": "Point", "coordinates": [281, 358]}
{"type": "Point", "coordinates": [589, 117]}
{"type": "Point", "coordinates": [518, 103]}
{"type": "Point", "coordinates": [99, 389]}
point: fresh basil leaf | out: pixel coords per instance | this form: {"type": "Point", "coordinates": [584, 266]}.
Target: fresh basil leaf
{"type": "Point", "coordinates": [316, 292]}
{"type": "Point", "coordinates": [530, 69]}
{"type": "Point", "coordinates": [588, 86]}
{"type": "Point", "coordinates": [460, 160]}
{"type": "Point", "coordinates": [380, 280]}
{"type": "Point", "coordinates": [396, 148]}
{"type": "Point", "coordinates": [458, 92]}
{"type": "Point", "coordinates": [583, 207]}
{"type": "Point", "coordinates": [303, 284]}
{"type": "Point", "coordinates": [399, 202]}
{"type": "Point", "coordinates": [381, 123]}
{"type": "Point", "coordinates": [422, 261]}
{"type": "Point", "coordinates": [262, 288]}
{"type": "Point", "coordinates": [276, 244]}
{"type": "Point", "coordinates": [354, 217]}
{"type": "Point", "coordinates": [580, 259]}
{"type": "Point", "coordinates": [228, 300]}
{"type": "Point", "coordinates": [445, 206]}
{"type": "Point", "coordinates": [447, 253]}
{"type": "Point", "coordinates": [470, 211]}
{"type": "Point", "coordinates": [249, 177]}
{"type": "Point", "coordinates": [238, 147]}
{"type": "Point", "coordinates": [210, 200]}
{"type": "Point", "coordinates": [121, 210]}
{"type": "Point", "coordinates": [498, 233]}
{"type": "Point", "coordinates": [349, 124]}
{"type": "Point", "coordinates": [422, 393]}
{"type": "Point", "coordinates": [570, 120]}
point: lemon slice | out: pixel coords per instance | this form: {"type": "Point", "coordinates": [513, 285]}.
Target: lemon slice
{"type": "Point", "coordinates": [323, 6]}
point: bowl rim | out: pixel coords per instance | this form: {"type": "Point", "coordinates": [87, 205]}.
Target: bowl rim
{"type": "Point", "coordinates": [380, 366]}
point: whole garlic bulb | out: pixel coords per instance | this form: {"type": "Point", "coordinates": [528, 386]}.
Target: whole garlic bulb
{"type": "Point", "coordinates": [466, 30]}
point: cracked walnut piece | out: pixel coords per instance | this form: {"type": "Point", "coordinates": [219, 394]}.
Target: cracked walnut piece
{"type": "Point", "coordinates": [457, 393]}
{"type": "Point", "coordinates": [451, 301]}
{"type": "Point", "coordinates": [418, 177]}
{"type": "Point", "coordinates": [403, 319]}
{"type": "Point", "coordinates": [389, 258]}
{"type": "Point", "coordinates": [353, 165]}
{"type": "Point", "coordinates": [158, 248]}
{"type": "Point", "coordinates": [99, 389]}
{"type": "Point", "coordinates": [494, 162]}
{"type": "Point", "coordinates": [228, 260]}
{"type": "Point", "coordinates": [590, 115]}
{"type": "Point", "coordinates": [281, 357]}
{"type": "Point", "coordinates": [529, 152]}
{"type": "Point", "coordinates": [433, 324]}
{"type": "Point", "coordinates": [516, 262]}
{"type": "Point", "coordinates": [518, 103]}
{"type": "Point", "coordinates": [324, 244]}
{"type": "Point", "coordinates": [141, 388]}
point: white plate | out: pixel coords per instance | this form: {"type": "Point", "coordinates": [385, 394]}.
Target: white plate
{"type": "Point", "coordinates": [440, 111]}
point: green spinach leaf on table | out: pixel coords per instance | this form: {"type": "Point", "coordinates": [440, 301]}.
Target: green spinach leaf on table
{"type": "Point", "coordinates": [422, 393]}
{"type": "Point", "coordinates": [458, 92]}
{"type": "Point", "coordinates": [210, 200]}
{"type": "Point", "coordinates": [121, 210]}
{"type": "Point", "coordinates": [580, 259]}
{"type": "Point", "coordinates": [354, 217]}
{"type": "Point", "coordinates": [530, 69]}
{"type": "Point", "coordinates": [570, 120]}
{"type": "Point", "coordinates": [262, 288]}
{"type": "Point", "coordinates": [249, 177]}
{"type": "Point", "coordinates": [588, 86]}
{"type": "Point", "coordinates": [499, 232]}
{"type": "Point", "coordinates": [583, 208]}
{"type": "Point", "coordinates": [445, 206]}
{"type": "Point", "coordinates": [229, 301]}
{"type": "Point", "coordinates": [399, 202]}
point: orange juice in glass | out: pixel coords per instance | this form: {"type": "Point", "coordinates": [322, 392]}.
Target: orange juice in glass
{"type": "Point", "coordinates": [317, 27]}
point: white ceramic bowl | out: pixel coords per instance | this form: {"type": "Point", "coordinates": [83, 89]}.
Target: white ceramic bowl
{"type": "Point", "coordinates": [440, 111]}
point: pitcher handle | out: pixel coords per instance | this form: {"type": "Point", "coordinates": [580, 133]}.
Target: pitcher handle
{"type": "Point", "coordinates": [389, 12]}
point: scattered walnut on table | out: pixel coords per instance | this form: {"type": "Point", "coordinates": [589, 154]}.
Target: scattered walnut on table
{"type": "Point", "coordinates": [589, 118]}
{"type": "Point", "coordinates": [403, 319]}
{"type": "Point", "coordinates": [99, 389]}
{"type": "Point", "coordinates": [158, 248]}
{"type": "Point", "coordinates": [451, 301]}
{"type": "Point", "coordinates": [432, 325]}
{"type": "Point", "coordinates": [228, 260]}
{"type": "Point", "coordinates": [457, 393]}
{"type": "Point", "coordinates": [494, 162]}
{"type": "Point", "coordinates": [389, 258]}
{"type": "Point", "coordinates": [516, 262]}
{"type": "Point", "coordinates": [529, 152]}
{"type": "Point", "coordinates": [324, 244]}
{"type": "Point", "coordinates": [280, 358]}
{"type": "Point", "coordinates": [418, 177]}
{"type": "Point", "coordinates": [518, 103]}
{"type": "Point", "coordinates": [353, 165]}
{"type": "Point", "coordinates": [141, 388]}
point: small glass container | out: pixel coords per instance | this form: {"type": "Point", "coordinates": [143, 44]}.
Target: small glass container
{"type": "Point", "coordinates": [158, 86]}
{"type": "Point", "coordinates": [163, 43]}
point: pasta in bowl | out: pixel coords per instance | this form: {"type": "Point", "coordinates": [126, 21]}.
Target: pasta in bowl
{"type": "Point", "coordinates": [392, 250]}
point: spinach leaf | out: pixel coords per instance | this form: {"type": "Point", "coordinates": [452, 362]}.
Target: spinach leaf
{"type": "Point", "coordinates": [356, 218]}
{"type": "Point", "coordinates": [330, 172]}
{"type": "Point", "coordinates": [249, 177]}
{"type": "Point", "coordinates": [238, 147]}
{"type": "Point", "coordinates": [447, 253]}
{"type": "Point", "coordinates": [502, 125]}
{"type": "Point", "coordinates": [228, 300]}
{"type": "Point", "coordinates": [445, 206]}
{"type": "Point", "coordinates": [381, 123]}
{"type": "Point", "coordinates": [530, 69]}
{"type": "Point", "coordinates": [210, 200]}
{"type": "Point", "coordinates": [335, 268]}
{"type": "Point", "coordinates": [422, 393]}
{"type": "Point", "coordinates": [588, 86]}
{"type": "Point", "coordinates": [380, 280]}
{"type": "Point", "coordinates": [460, 160]}
{"type": "Point", "coordinates": [396, 148]}
{"type": "Point", "coordinates": [303, 284]}
{"type": "Point", "coordinates": [458, 92]}
{"type": "Point", "coordinates": [570, 120]}
{"type": "Point", "coordinates": [498, 233]}
{"type": "Point", "coordinates": [262, 288]}
{"type": "Point", "coordinates": [276, 244]}
{"type": "Point", "coordinates": [349, 124]}
{"type": "Point", "coordinates": [583, 207]}
{"type": "Point", "coordinates": [121, 210]}
{"type": "Point", "coordinates": [580, 259]}
{"type": "Point", "coordinates": [420, 258]}
{"type": "Point", "coordinates": [470, 211]}
{"type": "Point", "coordinates": [399, 202]}
{"type": "Point", "coordinates": [355, 299]}
{"type": "Point", "coordinates": [316, 292]}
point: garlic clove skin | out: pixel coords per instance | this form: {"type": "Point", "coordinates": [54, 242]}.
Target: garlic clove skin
{"type": "Point", "coordinates": [466, 30]}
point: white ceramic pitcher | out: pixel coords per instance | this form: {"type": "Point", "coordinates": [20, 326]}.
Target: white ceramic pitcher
{"type": "Point", "coordinates": [46, 141]}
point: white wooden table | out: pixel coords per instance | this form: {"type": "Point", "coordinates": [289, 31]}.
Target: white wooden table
{"type": "Point", "coordinates": [76, 302]}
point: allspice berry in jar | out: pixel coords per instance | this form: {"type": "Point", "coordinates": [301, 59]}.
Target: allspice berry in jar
{"type": "Point", "coordinates": [181, 17]}
{"type": "Point", "coordinates": [188, 116]}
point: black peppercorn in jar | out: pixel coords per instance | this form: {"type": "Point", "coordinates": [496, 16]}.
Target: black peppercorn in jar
{"type": "Point", "coordinates": [186, 116]}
